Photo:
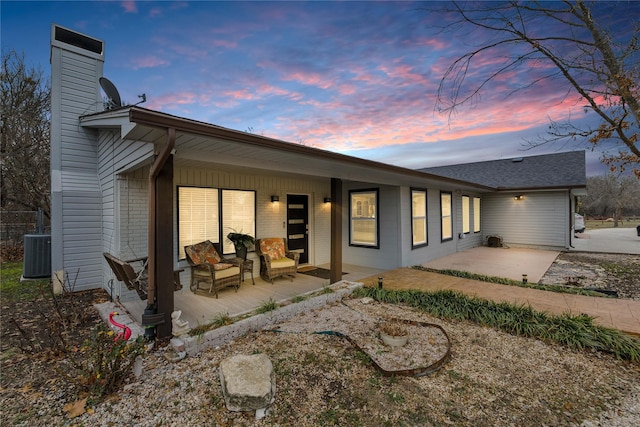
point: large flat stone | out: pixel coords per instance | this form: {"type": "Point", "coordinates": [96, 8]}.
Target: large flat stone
{"type": "Point", "coordinates": [248, 382]}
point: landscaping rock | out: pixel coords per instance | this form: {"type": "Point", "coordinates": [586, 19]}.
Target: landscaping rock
{"type": "Point", "coordinates": [248, 382]}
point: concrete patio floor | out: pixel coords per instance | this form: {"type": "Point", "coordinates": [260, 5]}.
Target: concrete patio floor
{"type": "Point", "coordinates": [510, 263]}
{"type": "Point", "coordinates": [501, 262]}
{"type": "Point", "coordinates": [200, 309]}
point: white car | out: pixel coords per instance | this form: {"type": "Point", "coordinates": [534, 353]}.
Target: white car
{"type": "Point", "coordinates": [578, 223]}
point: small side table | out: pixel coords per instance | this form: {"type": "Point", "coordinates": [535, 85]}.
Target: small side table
{"type": "Point", "coordinates": [247, 265]}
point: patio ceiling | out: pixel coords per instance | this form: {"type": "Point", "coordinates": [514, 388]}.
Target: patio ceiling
{"type": "Point", "coordinates": [202, 145]}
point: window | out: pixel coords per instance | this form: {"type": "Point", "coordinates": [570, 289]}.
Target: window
{"type": "Point", "coordinates": [418, 218]}
{"type": "Point", "coordinates": [476, 214]}
{"type": "Point", "coordinates": [197, 216]}
{"type": "Point", "coordinates": [210, 214]}
{"type": "Point", "coordinates": [445, 216]}
{"type": "Point", "coordinates": [363, 229]}
{"type": "Point", "coordinates": [238, 214]}
{"type": "Point", "coordinates": [466, 218]}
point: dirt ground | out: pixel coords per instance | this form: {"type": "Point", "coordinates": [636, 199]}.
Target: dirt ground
{"type": "Point", "coordinates": [609, 272]}
{"type": "Point", "coordinates": [492, 377]}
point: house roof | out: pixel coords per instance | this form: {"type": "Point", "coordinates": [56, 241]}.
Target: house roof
{"type": "Point", "coordinates": [549, 171]}
{"type": "Point", "coordinates": [200, 144]}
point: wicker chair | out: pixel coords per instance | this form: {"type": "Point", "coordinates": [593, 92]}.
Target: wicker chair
{"type": "Point", "coordinates": [209, 271]}
{"type": "Point", "coordinates": [275, 258]}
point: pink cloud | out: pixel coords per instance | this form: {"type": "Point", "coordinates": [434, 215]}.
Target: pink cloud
{"type": "Point", "coordinates": [148, 61]}
{"type": "Point", "coordinates": [169, 100]}
{"type": "Point", "coordinates": [310, 79]}
{"type": "Point", "coordinates": [129, 6]}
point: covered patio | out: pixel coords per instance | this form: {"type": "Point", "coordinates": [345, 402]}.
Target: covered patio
{"type": "Point", "coordinates": [200, 309]}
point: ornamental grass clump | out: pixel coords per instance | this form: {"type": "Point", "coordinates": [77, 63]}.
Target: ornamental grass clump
{"type": "Point", "coordinates": [577, 332]}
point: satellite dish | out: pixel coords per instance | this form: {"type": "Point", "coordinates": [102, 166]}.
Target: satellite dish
{"type": "Point", "coordinates": [113, 97]}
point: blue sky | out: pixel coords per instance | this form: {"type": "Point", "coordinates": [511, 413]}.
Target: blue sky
{"type": "Point", "coordinates": [358, 78]}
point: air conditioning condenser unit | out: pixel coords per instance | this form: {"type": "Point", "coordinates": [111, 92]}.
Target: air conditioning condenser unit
{"type": "Point", "coordinates": [37, 256]}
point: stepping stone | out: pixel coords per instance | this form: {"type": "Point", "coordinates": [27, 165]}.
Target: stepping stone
{"type": "Point", "coordinates": [248, 382]}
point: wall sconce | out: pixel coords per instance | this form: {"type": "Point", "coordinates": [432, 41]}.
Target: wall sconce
{"type": "Point", "coordinates": [519, 197]}
{"type": "Point", "coordinates": [275, 198]}
{"type": "Point", "coordinates": [327, 199]}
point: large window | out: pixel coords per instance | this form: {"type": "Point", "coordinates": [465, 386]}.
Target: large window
{"type": "Point", "coordinates": [418, 218]}
{"type": "Point", "coordinates": [445, 216]}
{"type": "Point", "coordinates": [466, 215]}
{"type": "Point", "coordinates": [238, 215]}
{"type": "Point", "coordinates": [197, 216]}
{"type": "Point", "coordinates": [210, 214]}
{"type": "Point", "coordinates": [476, 214]}
{"type": "Point", "coordinates": [363, 229]}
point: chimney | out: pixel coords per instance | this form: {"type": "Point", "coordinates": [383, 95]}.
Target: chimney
{"type": "Point", "coordinates": [76, 65]}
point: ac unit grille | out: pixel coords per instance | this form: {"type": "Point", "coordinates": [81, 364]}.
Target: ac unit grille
{"type": "Point", "coordinates": [37, 256]}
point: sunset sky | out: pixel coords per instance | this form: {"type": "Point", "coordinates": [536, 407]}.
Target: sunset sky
{"type": "Point", "coordinates": [358, 78]}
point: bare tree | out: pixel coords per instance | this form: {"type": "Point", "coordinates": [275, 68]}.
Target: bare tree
{"type": "Point", "coordinates": [600, 64]}
{"type": "Point", "coordinates": [611, 196]}
{"type": "Point", "coordinates": [25, 115]}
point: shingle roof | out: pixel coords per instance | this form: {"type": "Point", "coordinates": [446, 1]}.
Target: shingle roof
{"type": "Point", "coordinates": [560, 170]}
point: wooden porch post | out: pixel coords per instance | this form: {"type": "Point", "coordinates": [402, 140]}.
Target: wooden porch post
{"type": "Point", "coordinates": [336, 231]}
{"type": "Point", "coordinates": [160, 267]}
{"type": "Point", "coordinates": [164, 246]}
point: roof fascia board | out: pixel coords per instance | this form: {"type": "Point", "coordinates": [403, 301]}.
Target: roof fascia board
{"type": "Point", "coordinates": [156, 119]}
{"type": "Point", "coordinates": [554, 188]}
{"type": "Point", "coordinates": [109, 120]}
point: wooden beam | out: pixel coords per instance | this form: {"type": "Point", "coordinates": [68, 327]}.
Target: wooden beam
{"type": "Point", "coordinates": [164, 247]}
{"type": "Point", "coordinates": [336, 231]}
{"type": "Point", "coordinates": [160, 266]}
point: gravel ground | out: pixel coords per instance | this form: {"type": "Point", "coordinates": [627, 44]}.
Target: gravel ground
{"type": "Point", "coordinates": [491, 378]}
{"type": "Point", "coordinates": [613, 272]}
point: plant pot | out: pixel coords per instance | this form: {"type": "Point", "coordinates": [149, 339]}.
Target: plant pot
{"type": "Point", "coordinates": [394, 341]}
{"type": "Point", "coordinates": [241, 252]}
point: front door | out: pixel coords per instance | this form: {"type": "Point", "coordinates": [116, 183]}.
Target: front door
{"type": "Point", "coordinates": [298, 225]}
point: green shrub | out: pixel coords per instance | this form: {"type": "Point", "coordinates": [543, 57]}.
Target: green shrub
{"type": "Point", "coordinates": [103, 363]}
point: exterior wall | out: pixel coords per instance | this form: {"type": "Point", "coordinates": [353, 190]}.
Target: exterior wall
{"type": "Point", "coordinates": [270, 216]}
{"type": "Point", "coordinates": [76, 200]}
{"type": "Point", "coordinates": [395, 230]}
{"type": "Point", "coordinates": [471, 239]}
{"type": "Point", "coordinates": [387, 256]}
{"type": "Point", "coordinates": [540, 220]}
{"type": "Point", "coordinates": [124, 199]}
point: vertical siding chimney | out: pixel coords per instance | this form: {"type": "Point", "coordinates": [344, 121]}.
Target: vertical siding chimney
{"type": "Point", "coordinates": [76, 202]}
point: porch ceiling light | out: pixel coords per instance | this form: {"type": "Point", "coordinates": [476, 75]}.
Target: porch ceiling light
{"type": "Point", "coordinates": [275, 198]}
{"type": "Point", "coordinates": [519, 197]}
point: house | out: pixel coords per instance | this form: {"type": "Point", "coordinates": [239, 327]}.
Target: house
{"type": "Point", "coordinates": [131, 181]}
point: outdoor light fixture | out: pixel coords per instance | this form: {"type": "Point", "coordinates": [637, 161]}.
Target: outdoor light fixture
{"type": "Point", "coordinates": [327, 199]}
{"type": "Point", "coordinates": [275, 198]}
{"type": "Point", "coordinates": [519, 197]}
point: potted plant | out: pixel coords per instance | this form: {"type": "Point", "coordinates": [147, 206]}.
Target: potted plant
{"type": "Point", "coordinates": [393, 334]}
{"type": "Point", "coordinates": [242, 242]}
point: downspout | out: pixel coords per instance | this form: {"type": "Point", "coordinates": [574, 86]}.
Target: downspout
{"type": "Point", "coordinates": [571, 219]}
{"type": "Point", "coordinates": [157, 166]}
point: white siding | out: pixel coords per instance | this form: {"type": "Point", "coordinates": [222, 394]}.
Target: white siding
{"type": "Point", "coordinates": [539, 220]}
{"type": "Point", "coordinates": [270, 217]}
{"type": "Point", "coordinates": [76, 199]}
{"type": "Point", "coordinates": [471, 239]}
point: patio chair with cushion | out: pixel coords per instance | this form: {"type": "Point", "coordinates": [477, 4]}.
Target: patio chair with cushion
{"type": "Point", "coordinates": [209, 271]}
{"type": "Point", "coordinates": [133, 279]}
{"type": "Point", "coordinates": [275, 258]}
